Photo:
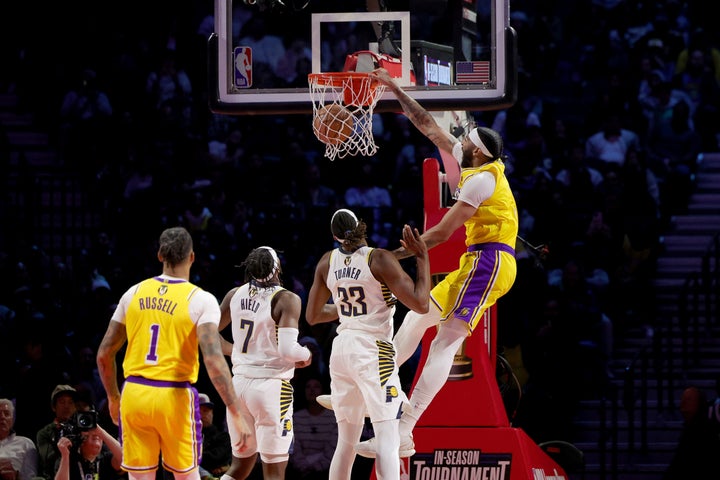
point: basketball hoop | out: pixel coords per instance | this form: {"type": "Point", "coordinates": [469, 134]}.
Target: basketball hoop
{"type": "Point", "coordinates": [355, 92]}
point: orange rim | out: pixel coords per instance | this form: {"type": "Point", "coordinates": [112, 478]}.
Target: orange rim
{"type": "Point", "coordinates": [358, 88]}
{"type": "Point", "coordinates": [337, 79]}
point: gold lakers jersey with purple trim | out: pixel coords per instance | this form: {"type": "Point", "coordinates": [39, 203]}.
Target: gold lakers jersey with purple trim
{"type": "Point", "coordinates": [488, 269]}
{"type": "Point", "coordinates": [496, 219]}
{"type": "Point", "coordinates": [162, 336]}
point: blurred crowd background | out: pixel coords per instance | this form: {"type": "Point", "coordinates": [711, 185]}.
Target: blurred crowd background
{"type": "Point", "coordinates": [616, 100]}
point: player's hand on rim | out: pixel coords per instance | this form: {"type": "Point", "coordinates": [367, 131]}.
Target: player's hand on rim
{"type": "Point", "coordinates": [382, 76]}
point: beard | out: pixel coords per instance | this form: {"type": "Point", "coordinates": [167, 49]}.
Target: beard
{"type": "Point", "coordinates": [467, 160]}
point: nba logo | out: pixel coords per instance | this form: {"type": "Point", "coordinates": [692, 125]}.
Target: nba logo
{"type": "Point", "coordinates": [243, 67]}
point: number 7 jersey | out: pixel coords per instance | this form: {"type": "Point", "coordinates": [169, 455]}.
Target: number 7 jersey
{"type": "Point", "coordinates": [362, 302]}
{"type": "Point", "coordinates": [255, 351]}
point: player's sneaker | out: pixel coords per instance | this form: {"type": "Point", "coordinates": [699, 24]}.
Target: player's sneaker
{"type": "Point", "coordinates": [325, 401]}
{"type": "Point", "coordinates": [367, 448]}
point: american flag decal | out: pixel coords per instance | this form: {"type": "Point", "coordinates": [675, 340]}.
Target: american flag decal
{"type": "Point", "coordinates": [472, 72]}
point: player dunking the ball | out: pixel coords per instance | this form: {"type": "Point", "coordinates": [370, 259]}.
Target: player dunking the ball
{"type": "Point", "coordinates": [485, 205]}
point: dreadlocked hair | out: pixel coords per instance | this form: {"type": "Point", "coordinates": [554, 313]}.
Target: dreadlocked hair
{"type": "Point", "coordinates": [175, 245]}
{"type": "Point", "coordinates": [355, 238]}
{"type": "Point", "coordinates": [260, 265]}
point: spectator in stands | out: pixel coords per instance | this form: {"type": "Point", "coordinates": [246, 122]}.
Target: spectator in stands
{"type": "Point", "coordinates": [699, 80]}
{"type": "Point", "coordinates": [317, 196]}
{"type": "Point", "coordinates": [695, 455]}
{"type": "Point", "coordinates": [18, 455]}
{"type": "Point", "coordinates": [625, 242]}
{"type": "Point", "coordinates": [549, 400]}
{"type": "Point", "coordinates": [197, 215]}
{"type": "Point", "coordinates": [168, 83]}
{"type": "Point", "coordinates": [315, 435]}
{"type": "Point", "coordinates": [62, 402]}
{"type": "Point", "coordinates": [673, 149]}
{"type": "Point", "coordinates": [579, 185]}
{"type": "Point", "coordinates": [573, 168]}
{"type": "Point", "coordinates": [366, 192]}
{"type": "Point", "coordinates": [699, 39]}
{"type": "Point", "coordinates": [217, 454]}
{"type": "Point", "coordinates": [289, 66]}
{"type": "Point", "coordinates": [714, 406]}
{"type": "Point", "coordinates": [610, 145]}
{"type": "Point", "coordinates": [169, 110]}
{"type": "Point", "coordinates": [267, 46]}
{"type": "Point", "coordinates": [85, 114]}
{"type": "Point", "coordinates": [367, 197]}
{"type": "Point", "coordinates": [228, 153]}
{"type": "Point", "coordinates": [662, 42]}
{"type": "Point", "coordinates": [657, 101]}
{"type": "Point", "coordinates": [637, 173]}
{"type": "Point", "coordinates": [583, 322]}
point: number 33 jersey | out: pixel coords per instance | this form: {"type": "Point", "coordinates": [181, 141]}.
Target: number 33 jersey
{"type": "Point", "coordinates": [362, 302]}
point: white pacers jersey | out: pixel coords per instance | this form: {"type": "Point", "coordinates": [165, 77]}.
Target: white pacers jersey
{"type": "Point", "coordinates": [362, 302]}
{"type": "Point", "coordinates": [255, 345]}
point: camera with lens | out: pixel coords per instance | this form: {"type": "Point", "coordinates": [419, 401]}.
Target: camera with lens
{"type": "Point", "coordinates": [77, 424]}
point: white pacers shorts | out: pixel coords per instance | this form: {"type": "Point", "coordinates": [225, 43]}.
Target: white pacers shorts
{"type": "Point", "coordinates": [364, 378]}
{"type": "Point", "coordinates": [267, 404]}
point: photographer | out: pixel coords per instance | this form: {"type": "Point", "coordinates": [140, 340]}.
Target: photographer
{"type": "Point", "coordinates": [62, 402]}
{"type": "Point", "coordinates": [82, 456]}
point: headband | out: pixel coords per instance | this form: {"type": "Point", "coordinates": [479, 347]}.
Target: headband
{"type": "Point", "coordinates": [474, 137]}
{"type": "Point", "coordinates": [276, 265]}
{"type": "Point", "coordinates": [332, 220]}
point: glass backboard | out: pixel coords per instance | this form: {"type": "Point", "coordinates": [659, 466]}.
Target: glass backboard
{"type": "Point", "coordinates": [450, 54]}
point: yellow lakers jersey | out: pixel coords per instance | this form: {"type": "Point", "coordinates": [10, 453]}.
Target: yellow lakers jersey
{"type": "Point", "coordinates": [162, 336]}
{"type": "Point", "coordinates": [496, 219]}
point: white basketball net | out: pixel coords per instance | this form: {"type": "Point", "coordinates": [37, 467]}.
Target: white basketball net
{"type": "Point", "coordinates": [357, 93]}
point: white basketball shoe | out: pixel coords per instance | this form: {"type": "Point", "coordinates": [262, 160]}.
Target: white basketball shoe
{"type": "Point", "coordinates": [367, 448]}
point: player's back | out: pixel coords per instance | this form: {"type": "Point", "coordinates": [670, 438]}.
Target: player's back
{"type": "Point", "coordinates": [162, 336]}
{"type": "Point", "coordinates": [255, 344]}
{"type": "Point", "coordinates": [363, 303]}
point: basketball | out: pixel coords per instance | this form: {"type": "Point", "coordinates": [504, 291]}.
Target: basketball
{"type": "Point", "coordinates": [333, 124]}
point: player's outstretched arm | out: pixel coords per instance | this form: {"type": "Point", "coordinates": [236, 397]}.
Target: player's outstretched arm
{"type": "Point", "coordinates": [387, 269]}
{"type": "Point", "coordinates": [439, 233]}
{"type": "Point", "coordinates": [421, 118]}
